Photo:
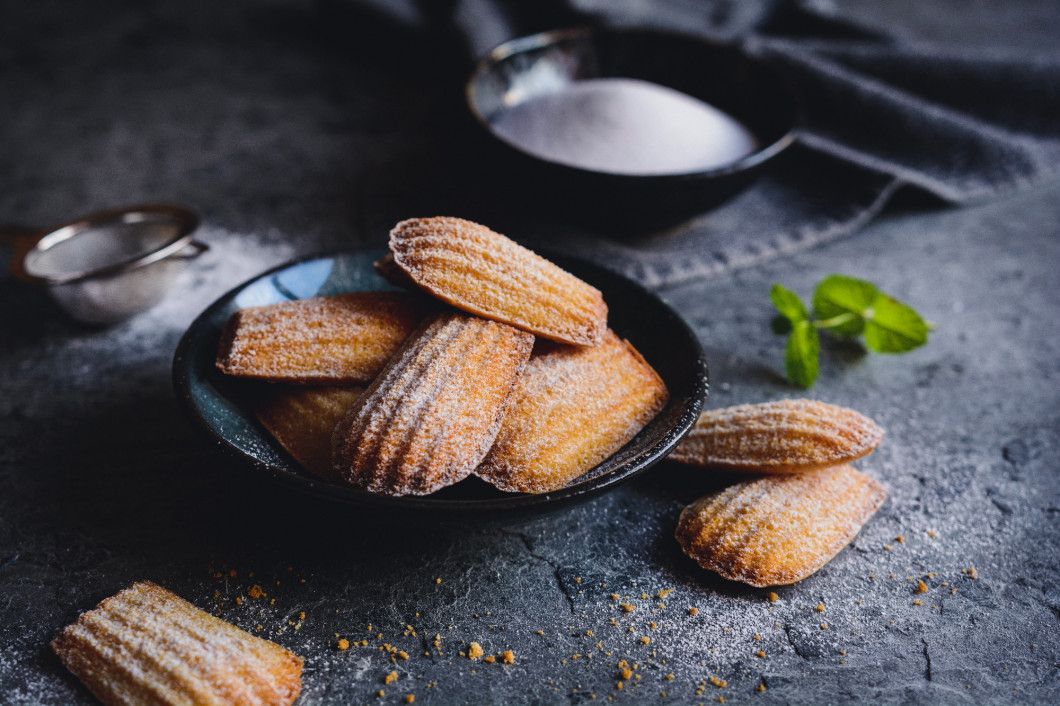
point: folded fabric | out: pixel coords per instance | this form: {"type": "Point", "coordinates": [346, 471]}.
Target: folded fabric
{"type": "Point", "coordinates": [881, 113]}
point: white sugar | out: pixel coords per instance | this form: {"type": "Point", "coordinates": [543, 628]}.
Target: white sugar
{"type": "Point", "coordinates": [625, 126]}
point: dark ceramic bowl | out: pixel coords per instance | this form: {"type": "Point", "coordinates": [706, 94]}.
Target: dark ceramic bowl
{"type": "Point", "coordinates": [716, 73]}
{"type": "Point", "coordinates": [216, 404]}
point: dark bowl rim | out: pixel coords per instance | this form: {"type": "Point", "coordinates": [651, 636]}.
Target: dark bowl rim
{"type": "Point", "coordinates": [544, 502]}
{"type": "Point", "coordinates": [541, 39]}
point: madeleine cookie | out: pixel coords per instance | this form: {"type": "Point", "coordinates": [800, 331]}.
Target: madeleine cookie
{"type": "Point", "coordinates": [433, 412]}
{"type": "Point", "coordinates": [573, 407]}
{"type": "Point", "coordinates": [485, 273]}
{"type": "Point", "coordinates": [789, 436]}
{"type": "Point", "coordinates": [778, 529]}
{"type": "Point", "coordinates": [338, 340]}
{"type": "Point", "coordinates": [302, 419]}
{"type": "Point", "coordinates": [146, 645]}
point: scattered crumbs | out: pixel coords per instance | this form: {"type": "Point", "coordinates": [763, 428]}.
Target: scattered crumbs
{"type": "Point", "coordinates": [972, 573]}
{"type": "Point", "coordinates": [887, 547]}
{"type": "Point", "coordinates": [842, 652]}
{"type": "Point", "coordinates": [578, 579]}
{"type": "Point", "coordinates": [824, 626]}
{"type": "Point", "coordinates": [489, 659]}
{"type": "Point", "coordinates": [720, 683]}
{"type": "Point", "coordinates": [773, 598]}
{"type": "Point", "coordinates": [382, 693]}
{"type": "Point", "coordinates": [239, 601]}
{"type": "Point", "coordinates": [508, 657]}
{"type": "Point", "coordinates": [921, 587]}
{"type": "Point", "coordinates": [953, 590]}
{"type": "Point", "coordinates": [669, 677]}
{"type": "Point", "coordinates": [540, 632]}
{"type": "Point", "coordinates": [614, 596]}
{"type": "Point", "coordinates": [301, 615]}
{"type": "Point", "coordinates": [931, 534]}
{"type": "Point", "coordinates": [402, 654]}
{"type": "Point", "coordinates": [645, 640]}
{"type": "Point", "coordinates": [626, 673]}
{"type": "Point", "coordinates": [255, 591]}
{"type": "Point", "coordinates": [917, 602]}
{"type": "Point", "coordinates": [945, 583]}
{"type": "Point", "coordinates": [758, 637]}
{"type": "Point", "coordinates": [663, 593]}
{"type": "Point", "coordinates": [643, 596]}
{"type": "Point", "coordinates": [589, 633]}
{"type": "Point", "coordinates": [820, 608]}
{"type": "Point", "coordinates": [760, 687]}
{"type": "Point", "coordinates": [900, 539]}
{"type": "Point", "coordinates": [474, 651]}
{"type": "Point", "coordinates": [390, 678]}
{"type": "Point", "coordinates": [760, 653]}
{"type": "Point", "coordinates": [692, 611]}
{"type": "Point", "coordinates": [628, 607]}
{"type": "Point", "coordinates": [410, 698]}
{"type": "Point", "coordinates": [438, 580]}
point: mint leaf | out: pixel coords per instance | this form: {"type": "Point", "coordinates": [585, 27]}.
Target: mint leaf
{"type": "Point", "coordinates": [840, 304]}
{"type": "Point", "coordinates": [788, 304]}
{"type": "Point", "coordinates": [781, 325]}
{"type": "Point", "coordinates": [800, 354]}
{"type": "Point", "coordinates": [893, 327]}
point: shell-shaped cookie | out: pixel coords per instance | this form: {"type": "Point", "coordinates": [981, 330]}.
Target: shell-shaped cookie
{"type": "Point", "coordinates": [340, 340]}
{"type": "Point", "coordinates": [146, 645]}
{"type": "Point", "coordinates": [484, 273]}
{"type": "Point", "coordinates": [434, 411]}
{"type": "Point", "coordinates": [778, 529]}
{"type": "Point", "coordinates": [573, 407]}
{"type": "Point", "coordinates": [302, 419]}
{"type": "Point", "coordinates": [788, 436]}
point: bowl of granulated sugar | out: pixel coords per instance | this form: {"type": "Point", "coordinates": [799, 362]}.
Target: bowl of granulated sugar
{"type": "Point", "coordinates": [627, 127]}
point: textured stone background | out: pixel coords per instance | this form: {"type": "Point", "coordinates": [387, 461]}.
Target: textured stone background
{"type": "Point", "coordinates": [275, 131]}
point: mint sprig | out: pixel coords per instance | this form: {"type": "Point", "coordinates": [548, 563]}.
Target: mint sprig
{"type": "Point", "coordinates": [843, 306]}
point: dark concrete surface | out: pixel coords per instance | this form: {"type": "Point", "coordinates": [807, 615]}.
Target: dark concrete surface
{"type": "Point", "coordinates": [103, 483]}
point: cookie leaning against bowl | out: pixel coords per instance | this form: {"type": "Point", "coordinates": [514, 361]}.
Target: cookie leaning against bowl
{"type": "Point", "coordinates": [146, 645]}
{"type": "Point", "coordinates": [434, 411]}
{"type": "Point", "coordinates": [573, 407]}
{"type": "Point", "coordinates": [340, 340]}
{"type": "Point", "coordinates": [302, 419]}
{"type": "Point", "coordinates": [778, 529]}
{"type": "Point", "coordinates": [484, 273]}
{"type": "Point", "coordinates": [789, 436]}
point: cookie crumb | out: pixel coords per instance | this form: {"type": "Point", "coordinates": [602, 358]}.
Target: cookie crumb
{"type": "Point", "coordinates": [773, 598]}
{"type": "Point", "coordinates": [390, 678]}
{"type": "Point", "coordinates": [921, 587]}
{"type": "Point", "coordinates": [410, 698]}
{"type": "Point", "coordinates": [508, 657]}
{"type": "Point", "coordinates": [474, 651]}
{"type": "Point", "coordinates": [344, 644]}
{"type": "Point", "coordinates": [820, 608]}
{"type": "Point", "coordinates": [692, 611]}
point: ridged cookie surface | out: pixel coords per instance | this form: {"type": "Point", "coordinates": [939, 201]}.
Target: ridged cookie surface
{"type": "Point", "coordinates": [789, 436]}
{"type": "Point", "coordinates": [302, 419]}
{"type": "Point", "coordinates": [146, 645]}
{"type": "Point", "coordinates": [434, 411]}
{"type": "Point", "coordinates": [778, 529]}
{"type": "Point", "coordinates": [485, 273]}
{"type": "Point", "coordinates": [573, 407]}
{"type": "Point", "coordinates": [345, 339]}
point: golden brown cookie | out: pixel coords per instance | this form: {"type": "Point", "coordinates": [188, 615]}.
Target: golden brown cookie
{"type": "Point", "coordinates": [485, 273]}
{"type": "Point", "coordinates": [778, 529]}
{"type": "Point", "coordinates": [339, 340]}
{"type": "Point", "coordinates": [146, 645]}
{"type": "Point", "coordinates": [573, 407]}
{"type": "Point", "coordinates": [789, 436]}
{"type": "Point", "coordinates": [302, 419]}
{"type": "Point", "coordinates": [433, 412]}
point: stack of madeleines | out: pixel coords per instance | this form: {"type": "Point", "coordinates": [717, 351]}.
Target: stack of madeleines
{"type": "Point", "coordinates": [804, 503]}
{"type": "Point", "coordinates": [506, 370]}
